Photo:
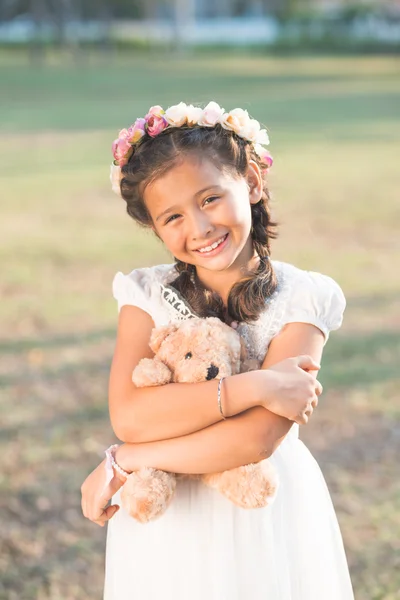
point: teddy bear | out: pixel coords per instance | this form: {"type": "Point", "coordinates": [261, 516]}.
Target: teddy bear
{"type": "Point", "coordinates": [190, 351]}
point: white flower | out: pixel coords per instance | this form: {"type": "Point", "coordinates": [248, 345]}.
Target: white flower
{"type": "Point", "coordinates": [177, 115]}
{"type": "Point", "coordinates": [211, 115]}
{"type": "Point", "coordinates": [236, 120]}
{"type": "Point", "coordinates": [251, 130]}
{"type": "Point", "coordinates": [193, 114]}
{"type": "Point", "coordinates": [115, 178]}
{"type": "Point", "coordinates": [262, 137]}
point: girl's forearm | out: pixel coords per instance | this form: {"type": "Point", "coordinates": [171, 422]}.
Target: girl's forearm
{"type": "Point", "coordinates": [240, 440]}
{"type": "Point", "coordinates": [178, 409]}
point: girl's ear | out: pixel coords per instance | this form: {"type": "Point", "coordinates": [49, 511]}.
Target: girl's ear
{"type": "Point", "coordinates": [254, 182]}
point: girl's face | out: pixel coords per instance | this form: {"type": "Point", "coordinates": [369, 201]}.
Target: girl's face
{"type": "Point", "coordinates": [203, 214]}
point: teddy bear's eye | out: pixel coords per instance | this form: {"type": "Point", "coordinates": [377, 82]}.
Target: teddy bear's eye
{"type": "Point", "coordinates": [188, 355]}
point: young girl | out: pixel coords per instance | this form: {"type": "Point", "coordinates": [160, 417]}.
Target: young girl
{"type": "Point", "coordinates": [198, 179]}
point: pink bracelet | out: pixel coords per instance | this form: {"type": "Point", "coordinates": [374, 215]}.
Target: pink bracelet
{"type": "Point", "coordinates": [111, 464]}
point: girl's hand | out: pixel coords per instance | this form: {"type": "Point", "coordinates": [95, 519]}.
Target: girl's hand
{"type": "Point", "coordinates": [95, 496]}
{"type": "Point", "coordinates": [293, 392]}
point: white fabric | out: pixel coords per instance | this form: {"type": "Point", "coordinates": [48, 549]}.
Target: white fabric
{"type": "Point", "coordinates": [204, 547]}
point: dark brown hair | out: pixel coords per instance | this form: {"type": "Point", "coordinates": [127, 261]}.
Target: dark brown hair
{"type": "Point", "coordinates": [152, 158]}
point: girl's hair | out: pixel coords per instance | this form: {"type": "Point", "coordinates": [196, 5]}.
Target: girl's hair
{"type": "Point", "coordinates": [152, 158]}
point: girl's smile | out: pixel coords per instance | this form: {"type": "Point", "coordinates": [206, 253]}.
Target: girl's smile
{"type": "Point", "coordinates": [213, 248]}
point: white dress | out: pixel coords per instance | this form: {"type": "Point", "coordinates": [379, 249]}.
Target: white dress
{"type": "Point", "coordinates": [206, 548]}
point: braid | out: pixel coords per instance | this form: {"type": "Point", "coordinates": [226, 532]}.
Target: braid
{"type": "Point", "coordinates": [247, 297]}
{"type": "Point", "coordinates": [203, 302]}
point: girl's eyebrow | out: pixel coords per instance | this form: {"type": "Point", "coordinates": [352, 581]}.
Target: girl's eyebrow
{"type": "Point", "coordinates": [167, 210]}
{"type": "Point", "coordinates": [176, 206]}
{"type": "Point", "coordinates": [210, 187]}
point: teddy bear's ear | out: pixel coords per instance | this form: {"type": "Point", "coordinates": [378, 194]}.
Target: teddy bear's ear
{"type": "Point", "coordinates": [159, 334]}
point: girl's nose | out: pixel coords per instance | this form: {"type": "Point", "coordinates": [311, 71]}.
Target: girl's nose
{"type": "Point", "coordinates": [200, 227]}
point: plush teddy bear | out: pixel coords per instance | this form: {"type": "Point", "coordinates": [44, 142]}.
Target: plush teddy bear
{"type": "Point", "coordinates": [192, 351]}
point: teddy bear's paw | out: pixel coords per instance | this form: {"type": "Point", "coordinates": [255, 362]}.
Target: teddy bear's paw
{"type": "Point", "coordinates": [251, 486]}
{"type": "Point", "coordinates": [151, 371]}
{"type": "Point", "coordinates": [147, 493]}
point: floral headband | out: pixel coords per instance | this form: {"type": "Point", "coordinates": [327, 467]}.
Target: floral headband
{"type": "Point", "coordinates": [156, 120]}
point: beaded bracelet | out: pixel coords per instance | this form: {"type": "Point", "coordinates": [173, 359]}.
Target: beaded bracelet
{"type": "Point", "coordinates": [219, 398]}
{"type": "Point", "coordinates": [110, 463]}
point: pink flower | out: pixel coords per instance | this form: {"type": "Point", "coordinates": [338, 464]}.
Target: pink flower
{"type": "Point", "coordinates": [122, 151]}
{"type": "Point", "coordinates": [136, 131]}
{"type": "Point", "coordinates": [155, 121]}
{"type": "Point", "coordinates": [264, 155]}
{"type": "Point", "coordinates": [123, 134]}
{"type": "Point", "coordinates": [155, 110]}
{"type": "Point", "coordinates": [269, 161]}
{"type": "Point", "coordinates": [212, 114]}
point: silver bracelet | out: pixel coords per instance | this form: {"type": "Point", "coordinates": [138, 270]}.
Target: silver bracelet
{"type": "Point", "coordinates": [219, 397]}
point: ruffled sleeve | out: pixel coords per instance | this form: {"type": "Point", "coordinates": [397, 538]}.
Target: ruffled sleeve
{"type": "Point", "coordinates": [134, 289]}
{"type": "Point", "coordinates": [316, 299]}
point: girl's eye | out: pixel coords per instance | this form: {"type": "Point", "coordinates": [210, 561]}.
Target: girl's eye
{"type": "Point", "coordinates": [188, 355]}
{"type": "Point", "coordinates": [211, 199]}
{"type": "Point", "coordinates": [172, 218]}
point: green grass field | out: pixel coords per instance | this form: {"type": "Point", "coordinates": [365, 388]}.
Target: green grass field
{"type": "Point", "coordinates": [334, 125]}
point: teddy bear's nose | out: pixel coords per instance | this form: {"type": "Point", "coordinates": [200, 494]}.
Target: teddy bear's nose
{"type": "Point", "coordinates": [212, 372]}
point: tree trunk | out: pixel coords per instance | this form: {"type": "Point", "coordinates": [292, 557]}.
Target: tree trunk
{"type": "Point", "coordinates": [38, 13]}
{"type": "Point", "coordinates": [106, 19]}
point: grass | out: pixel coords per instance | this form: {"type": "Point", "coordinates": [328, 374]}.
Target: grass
{"type": "Point", "coordinates": [334, 125]}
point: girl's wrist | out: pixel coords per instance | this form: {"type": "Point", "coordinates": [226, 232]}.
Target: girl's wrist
{"type": "Point", "coordinates": [239, 393]}
{"type": "Point", "coordinates": [263, 383]}
{"type": "Point", "coordinates": [127, 456]}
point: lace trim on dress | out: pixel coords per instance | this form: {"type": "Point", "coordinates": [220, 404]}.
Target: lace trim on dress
{"type": "Point", "coordinates": [178, 309]}
{"type": "Point", "coordinates": [257, 335]}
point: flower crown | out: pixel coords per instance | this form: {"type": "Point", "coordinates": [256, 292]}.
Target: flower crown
{"type": "Point", "coordinates": [179, 115]}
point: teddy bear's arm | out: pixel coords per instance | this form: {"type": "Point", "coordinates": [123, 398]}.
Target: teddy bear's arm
{"type": "Point", "coordinates": [147, 493]}
{"type": "Point", "coordinates": [251, 486]}
{"type": "Point", "coordinates": [151, 372]}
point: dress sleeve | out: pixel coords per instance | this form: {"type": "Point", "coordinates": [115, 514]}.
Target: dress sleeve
{"type": "Point", "coordinates": [133, 289]}
{"type": "Point", "coordinates": [316, 299]}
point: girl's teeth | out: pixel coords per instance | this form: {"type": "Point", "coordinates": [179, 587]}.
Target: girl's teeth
{"type": "Point", "coordinates": [209, 248]}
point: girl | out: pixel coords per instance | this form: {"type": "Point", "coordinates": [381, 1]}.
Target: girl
{"type": "Point", "coordinates": [198, 178]}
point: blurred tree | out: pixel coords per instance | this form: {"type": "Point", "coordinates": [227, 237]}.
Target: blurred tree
{"type": "Point", "coordinates": [106, 16]}
{"type": "Point", "coordinates": [285, 9]}
{"type": "Point", "coordinates": [39, 13]}
{"type": "Point", "coordinates": [64, 13]}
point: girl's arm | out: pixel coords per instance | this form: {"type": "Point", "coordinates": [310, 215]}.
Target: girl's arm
{"type": "Point", "coordinates": [178, 409]}
{"type": "Point", "coordinates": [243, 439]}
{"type": "Point", "coordinates": [240, 440]}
